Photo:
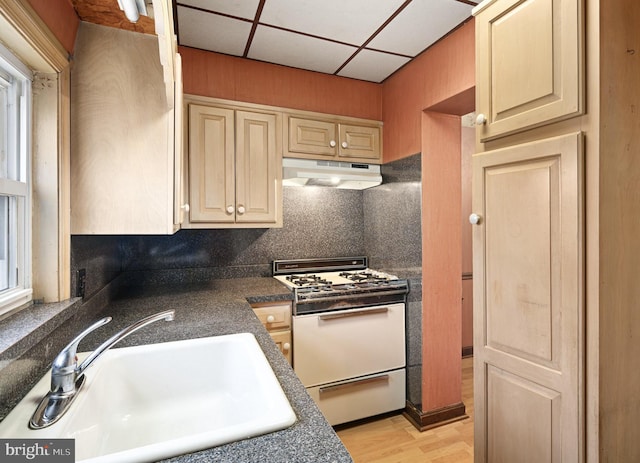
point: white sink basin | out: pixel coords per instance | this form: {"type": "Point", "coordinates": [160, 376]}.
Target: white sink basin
{"type": "Point", "coordinates": [151, 402]}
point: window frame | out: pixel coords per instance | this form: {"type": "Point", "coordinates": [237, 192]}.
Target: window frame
{"type": "Point", "coordinates": [20, 188]}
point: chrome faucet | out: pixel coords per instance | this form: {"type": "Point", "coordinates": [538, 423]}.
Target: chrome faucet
{"type": "Point", "coordinates": [67, 377]}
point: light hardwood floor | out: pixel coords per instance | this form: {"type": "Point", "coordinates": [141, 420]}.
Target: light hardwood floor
{"type": "Point", "coordinates": [395, 440]}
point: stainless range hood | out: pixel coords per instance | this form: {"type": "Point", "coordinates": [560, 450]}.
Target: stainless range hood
{"type": "Point", "coordinates": [336, 174]}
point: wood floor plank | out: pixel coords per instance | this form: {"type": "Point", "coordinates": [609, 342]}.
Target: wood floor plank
{"type": "Point", "coordinates": [393, 439]}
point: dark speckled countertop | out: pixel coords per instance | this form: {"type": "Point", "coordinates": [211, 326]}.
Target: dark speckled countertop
{"type": "Point", "coordinates": [222, 307]}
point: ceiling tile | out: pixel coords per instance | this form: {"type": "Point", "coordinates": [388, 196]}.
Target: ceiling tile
{"type": "Point", "coordinates": [300, 51]}
{"type": "Point", "coordinates": [212, 32]}
{"type": "Point", "coordinates": [419, 25]}
{"type": "Point", "coordinates": [372, 65]}
{"type": "Point", "coordinates": [352, 21]}
{"type": "Point", "coordinates": [239, 8]}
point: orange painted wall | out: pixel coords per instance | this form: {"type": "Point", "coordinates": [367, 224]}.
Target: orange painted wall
{"type": "Point", "coordinates": [223, 76]}
{"type": "Point", "coordinates": [441, 261]}
{"type": "Point", "coordinates": [61, 18]}
{"type": "Point", "coordinates": [443, 71]}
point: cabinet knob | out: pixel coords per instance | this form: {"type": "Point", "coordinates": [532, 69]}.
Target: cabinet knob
{"type": "Point", "coordinates": [481, 119]}
{"type": "Point", "coordinates": [271, 319]}
{"type": "Point", "coordinates": [286, 346]}
{"type": "Point", "coordinates": [241, 210]}
{"type": "Point", "coordinates": [185, 207]}
{"type": "Point", "coordinates": [230, 209]}
{"type": "Point", "coordinates": [475, 219]}
{"type": "Point", "coordinates": [332, 143]}
{"type": "Point", "coordinates": [345, 144]}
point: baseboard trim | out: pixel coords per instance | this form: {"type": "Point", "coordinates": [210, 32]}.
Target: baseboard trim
{"type": "Point", "coordinates": [434, 418]}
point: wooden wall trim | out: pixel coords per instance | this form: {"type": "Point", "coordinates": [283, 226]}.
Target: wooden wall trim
{"type": "Point", "coordinates": [25, 33]}
{"type": "Point", "coordinates": [434, 418]}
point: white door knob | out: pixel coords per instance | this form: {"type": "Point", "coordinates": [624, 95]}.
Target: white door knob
{"type": "Point", "coordinates": [481, 119]}
{"type": "Point", "coordinates": [230, 209]}
{"type": "Point", "coordinates": [332, 143]}
{"type": "Point", "coordinates": [286, 346]}
{"type": "Point", "coordinates": [185, 207]}
{"type": "Point", "coordinates": [271, 319]}
{"type": "Point", "coordinates": [241, 210]}
{"type": "Point", "coordinates": [345, 144]}
{"type": "Point", "coordinates": [475, 219]}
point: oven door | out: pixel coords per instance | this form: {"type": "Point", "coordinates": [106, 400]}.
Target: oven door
{"type": "Point", "coordinates": [345, 344]}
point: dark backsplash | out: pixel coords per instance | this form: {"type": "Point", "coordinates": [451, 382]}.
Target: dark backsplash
{"type": "Point", "coordinates": [382, 223]}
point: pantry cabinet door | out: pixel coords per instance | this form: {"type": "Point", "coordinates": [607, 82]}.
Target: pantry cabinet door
{"type": "Point", "coordinates": [258, 168]}
{"type": "Point", "coordinates": [528, 64]}
{"type": "Point", "coordinates": [211, 164]}
{"type": "Point", "coordinates": [528, 302]}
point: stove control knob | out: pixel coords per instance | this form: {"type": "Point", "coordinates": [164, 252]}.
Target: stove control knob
{"type": "Point", "coordinates": [271, 319]}
{"type": "Point", "coordinates": [230, 209]}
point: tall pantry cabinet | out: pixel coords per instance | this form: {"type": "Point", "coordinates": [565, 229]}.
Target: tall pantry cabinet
{"type": "Point", "coordinates": [556, 195]}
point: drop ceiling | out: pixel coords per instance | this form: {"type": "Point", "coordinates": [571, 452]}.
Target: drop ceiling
{"type": "Point", "coordinates": [360, 39]}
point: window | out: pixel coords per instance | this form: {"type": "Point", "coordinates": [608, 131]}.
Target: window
{"type": "Point", "coordinates": [15, 190]}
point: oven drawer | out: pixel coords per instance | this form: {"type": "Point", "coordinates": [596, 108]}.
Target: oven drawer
{"type": "Point", "coordinates": [360, 398]}
{"type": "Point", "coordinates": [335, 346]}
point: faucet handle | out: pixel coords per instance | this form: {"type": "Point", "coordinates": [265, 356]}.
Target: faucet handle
{"type": "Point", "coordinates": [66, 362]}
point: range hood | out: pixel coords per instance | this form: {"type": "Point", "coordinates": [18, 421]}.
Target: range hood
{"type": "Point", "coordinates": [336, 174]}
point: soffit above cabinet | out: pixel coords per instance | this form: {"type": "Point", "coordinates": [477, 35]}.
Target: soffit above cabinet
{"type": "Point", "coordinates": [360, 39]}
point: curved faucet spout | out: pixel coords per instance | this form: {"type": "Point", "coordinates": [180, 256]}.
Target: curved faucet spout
{"type": "Point", "coordinates": [67, 377]}
{"type": "Point", "coordinates": [167, 315]}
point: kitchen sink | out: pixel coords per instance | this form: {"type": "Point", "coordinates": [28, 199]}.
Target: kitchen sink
{"type": "Point", "coordinates": [150, 402]}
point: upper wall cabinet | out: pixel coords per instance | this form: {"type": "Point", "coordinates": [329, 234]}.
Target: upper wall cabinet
{"type": "Point", "coordinates": [235, 167]}
{"type": "Point", "coordinates": [125, 142]}
{"type": "Point", "coordinates": [529, 64]}
{"type": "Point", "coordinates": [318, 137]}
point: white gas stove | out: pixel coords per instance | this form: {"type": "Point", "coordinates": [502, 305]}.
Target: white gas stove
{"type": "Point", "coordinates": [348, 335]}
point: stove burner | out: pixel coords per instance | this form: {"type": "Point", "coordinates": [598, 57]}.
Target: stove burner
{"type": "Point", "coordinates": [308, 280]}
{"type": "Point", "coordinates": [365, 276]}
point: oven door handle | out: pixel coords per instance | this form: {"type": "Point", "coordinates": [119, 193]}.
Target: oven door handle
{"type": "Point", "coordinates": [357, 313]}
{"type": "Point", "coordinates": [355, 382]}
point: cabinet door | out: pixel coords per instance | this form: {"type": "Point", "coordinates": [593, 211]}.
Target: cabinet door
{"type": "Point", "coordinates": [258, 168]}
{"type": "Point", "coordinates": [529, 66]}
{"type": "Point", "coordinates": [307, 136]}
{"type": "Point", "coordinates": [528, 302]}
{"type": "Point", "coordinates": [211, 164]}
{"type": "Point", "coordinates": [360, 143]}
{"type": "Point", "coordinates": [283, 341]}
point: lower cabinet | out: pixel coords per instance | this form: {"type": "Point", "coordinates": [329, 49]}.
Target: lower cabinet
{"type": "Point", "coordinates": [276, 318]}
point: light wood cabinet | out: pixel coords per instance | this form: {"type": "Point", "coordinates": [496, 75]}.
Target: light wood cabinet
{"type": "Point", "coordinates": [529, 310]}
{"type": "Point", "coordinates": [609, 393]}
{"type": "Point", "coordinates": [529, 64]}
{"type": "Point", "coordinates": [235, 167]}
{"type": "Point", "coordinates": [276, 318]}
{"type": "Point", "coordinates": [125, 143]}
{"type": "Point", "coordinates": [325, 138]}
